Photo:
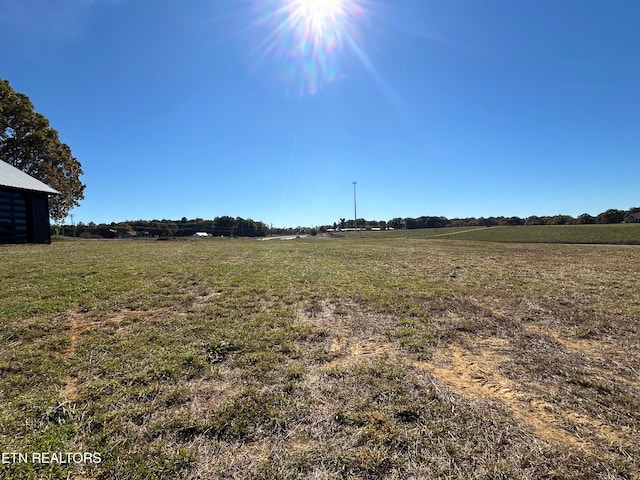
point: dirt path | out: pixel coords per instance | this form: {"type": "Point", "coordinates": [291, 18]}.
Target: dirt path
{"type": "Point", "coordinates": [70, 388]}
{"type": "Point", "coordinates": [69, 391]}
{"type": "Point", "coordinates": [462, 231]}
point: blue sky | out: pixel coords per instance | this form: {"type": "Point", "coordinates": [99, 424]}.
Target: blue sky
{"type": "Point", "coordinates": [269, 109]}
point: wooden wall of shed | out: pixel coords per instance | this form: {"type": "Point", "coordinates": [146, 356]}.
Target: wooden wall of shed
{"type": "Point", "coordinates": [24, 217]}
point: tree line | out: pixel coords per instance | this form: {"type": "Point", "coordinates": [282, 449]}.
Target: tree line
{"type": "Point", "coordinates": [606, 217]}
{"type": "Point", "coordinates": [409, 223]}
{"type": "Point", "coordinates": [219, 227]}
{"type": "Point", "coordinates": [227, 226]}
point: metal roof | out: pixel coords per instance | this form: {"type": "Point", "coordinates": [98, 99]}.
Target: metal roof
{"type": "Point", "coordinates": [11, 177]}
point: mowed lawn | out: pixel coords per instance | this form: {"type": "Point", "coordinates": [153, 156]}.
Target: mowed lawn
{"type": "Point", "coordinates": [621, 233]}
{"type": "Point", "coordinates": [358, 357]}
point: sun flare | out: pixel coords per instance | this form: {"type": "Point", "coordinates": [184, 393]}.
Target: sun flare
{"type": "Point", "coordinates": [319, 23]}
{"type": "Point", "coordinates": [308, 39]}
{"type": "Point", "coordinates": [318, 12]}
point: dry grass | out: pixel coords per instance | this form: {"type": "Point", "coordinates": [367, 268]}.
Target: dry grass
{"type": "Point", "coordinates": [346, 358]}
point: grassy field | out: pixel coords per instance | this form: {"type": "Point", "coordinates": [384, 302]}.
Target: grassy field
{"type": "Point", "coordinates": [628, 234]}
{"type": "Point", "coordinates": [617, 234]}
{"type": "Point", "coordinates": [321, 358]}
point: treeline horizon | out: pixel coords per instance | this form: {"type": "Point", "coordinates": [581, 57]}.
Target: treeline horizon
{"type": "Point", "coordinates": [227, 226]}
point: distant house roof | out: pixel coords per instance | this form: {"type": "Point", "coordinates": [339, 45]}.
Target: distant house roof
{"type": "Point", "coordinates": [11, 177]}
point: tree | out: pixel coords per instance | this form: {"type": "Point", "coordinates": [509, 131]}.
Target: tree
{"type": "Point", "coordinates": [396, 223]}
{"type": "Point", "coordinates": [513, 221]}
{"type": "Point", "coordinates": [586, 219]}
{"type": "Point", "coordinates": [410, 223]}
{"type": "Point", "coordinates": [611, 216]}
{"type": "Point", "coordinates": [561, 220]}
{"type": "Point", "coordinates": [122, 228]}
{"type": "Point", "coordinates": [28, 143]}
{"type": "Point", "coordinates": [224, 226]}
{"type": "Point", "coordinates": [534, 220]}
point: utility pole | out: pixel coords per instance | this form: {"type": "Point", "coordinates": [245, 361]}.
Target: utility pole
{"type": "Point", "coordinates": [355, 211]}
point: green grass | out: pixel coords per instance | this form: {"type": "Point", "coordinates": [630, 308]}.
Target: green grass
{"type": "Point", "coordinates": [352, 357]}
{"type": "Point", "coordinates": [597, 234]}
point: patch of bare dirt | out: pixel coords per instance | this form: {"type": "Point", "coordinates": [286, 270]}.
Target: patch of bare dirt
{"type": "Point", "coordinates": [209, 394]}
{"type": "Point", "coordinates": [474, 373]}
{"type": "Point", "coordinates": [70, 388]}
{"type": "Point", "coordinates": [602, 354]}
{"type": "Point", "coordinates": [469, 367]}
{"type": "Point", "coordinates": [77, 324]}
{"type": "Point", "coordinates": [352, 337]}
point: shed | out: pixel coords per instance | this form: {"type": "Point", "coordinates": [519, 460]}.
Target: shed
{"type": "Point", "coordinates": [24, 207]}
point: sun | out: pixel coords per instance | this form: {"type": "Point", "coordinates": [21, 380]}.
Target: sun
{"type": "Point", "coordinates": [319, 12]}
{"type": "Point", "coordinates": [307, 40]}
{"type": "Point", "coordinates": [318, 21]}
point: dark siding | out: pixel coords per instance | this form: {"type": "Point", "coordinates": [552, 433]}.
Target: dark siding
{"type": "Point", "coordinates": [40, 231]}
{"type": "Point", "coordinates": [24, 217]}
{"type": "Point", "coordinates": [13, 218]}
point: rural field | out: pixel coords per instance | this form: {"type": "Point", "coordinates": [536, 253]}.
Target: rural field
{"type": "Point", "coordinates": [361, 357]}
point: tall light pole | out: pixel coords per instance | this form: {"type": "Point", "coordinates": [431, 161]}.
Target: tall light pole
{"type": "Point", "coordinates": [355, 211]}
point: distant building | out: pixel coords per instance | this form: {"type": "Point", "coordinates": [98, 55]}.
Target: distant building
{"type": "Point", "coordinates": [127, 235]}
{"type": "Point", "coordinates": [24, 207]}
{"type": "Point", "coordinates": [632, 218]}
